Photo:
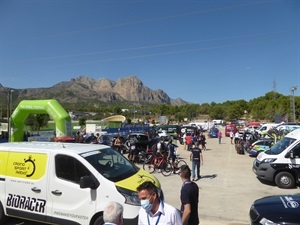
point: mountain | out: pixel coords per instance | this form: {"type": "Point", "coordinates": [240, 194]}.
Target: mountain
{"type": "Point", "coordinates": [87, 92]}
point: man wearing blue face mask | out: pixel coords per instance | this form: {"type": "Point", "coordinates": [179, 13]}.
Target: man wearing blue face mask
{"type": "Point", "coordinates": [154, 211]}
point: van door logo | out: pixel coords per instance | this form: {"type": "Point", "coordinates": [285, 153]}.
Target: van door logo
{"type": "Point", "coordinates": [25, 168]}
{"type": "Point", "coordinates": [30, 166]}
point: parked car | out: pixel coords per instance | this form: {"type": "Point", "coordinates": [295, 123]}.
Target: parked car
{"type": "Point", "coordinates": [229, 128]}
{"type": "Point", "coordinates": [141, 140]}
{"type": "Point", "coordinates": [276, 209]}
{"type": "Point", "coordinates": [106, 139]}
{"type": "Point", "coordinates": [90, 139]}
{"type": "Point", "coordinates": [172, 130]}
{"type": "Point", "coordinates": [213, 133]}
{"type": "Point", "coordinates": [260, 146]}
{"type": "Point", "coordinates": [164, 135]}
{"type": "Point", "coordinates": [187, 130]}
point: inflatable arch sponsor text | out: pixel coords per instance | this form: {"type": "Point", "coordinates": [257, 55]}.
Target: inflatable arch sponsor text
{"type": "Point", "coordinates": [51, 107]}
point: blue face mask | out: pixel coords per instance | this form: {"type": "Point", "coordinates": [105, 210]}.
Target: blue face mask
{"type": "Point", "coordinates": [145, 203]}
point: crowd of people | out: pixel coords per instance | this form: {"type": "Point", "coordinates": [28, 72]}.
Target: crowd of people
{"type": "Point", "coordinates": [153, 208]}
{"type": "Point", "coordinates": [242, 141]}
{"type": "Point", "coordinates": [189, 139]}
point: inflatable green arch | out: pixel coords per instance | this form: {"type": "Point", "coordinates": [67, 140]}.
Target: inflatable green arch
{"type": "Point", "coordinates": [51, 107]}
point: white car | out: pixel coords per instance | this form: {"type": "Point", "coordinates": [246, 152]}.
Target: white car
{"type": "Point", "coordinates": [163, 134]}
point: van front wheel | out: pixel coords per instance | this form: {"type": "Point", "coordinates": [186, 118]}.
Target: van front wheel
{"type": "Point", "coordinates": [285, 180]}
{"type": "Point", "coordinates": [99, 221]}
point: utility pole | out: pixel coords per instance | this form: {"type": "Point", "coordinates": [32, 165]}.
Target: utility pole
{"type": "Point", "coordinates": [9, 112]}
{"type": "Point", "coordinates": [293, 89]}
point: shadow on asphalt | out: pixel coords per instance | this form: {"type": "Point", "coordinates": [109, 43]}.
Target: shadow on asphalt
{"type": "Point", "coordinates": [209, 176]}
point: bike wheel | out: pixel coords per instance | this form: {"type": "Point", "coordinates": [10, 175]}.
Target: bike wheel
{"type": "Point", "coordinates": [167, 169]}
{"type": "Point", "coordinates": [149, 167]}
{"type": "Point", "coordinates": [144, 159]}
{"type": "Point", "coordinates": [181, 163]}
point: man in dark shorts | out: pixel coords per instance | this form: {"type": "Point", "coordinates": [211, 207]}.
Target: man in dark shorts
{"type": "Point", "coordinates": [132, 150]}
{"type": "Point", "coordinates": [172, 155]}
{"type": "Point", "coordinates": [197, 160]}
{"type": "Point", "coordinates": [189, 197]}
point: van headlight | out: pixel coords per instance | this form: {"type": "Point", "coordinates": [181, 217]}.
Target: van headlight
{"type": "Point", "coordinates": [268, 160]}
{"type": "Point", "coordinates": [265, 221]}
{"type": "Point", "coordinates": [131, 197]}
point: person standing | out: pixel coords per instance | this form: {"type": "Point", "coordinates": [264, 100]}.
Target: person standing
{"type": "Point", "coordinates": [231, 135]}
{"type": "Point", "coordinates": [184, 140]}
{"type": "Point", "coordinates": [154, 210]}
{"type": "Point", "coordinates": [158, 151]}
{"type": "Point", "coordinates": [132, 151]}
{"type": "Point", "coordinates": [113, 214]}
{"type": "Point", "coordinates": [77, 138]}
{"type": "Point", "coordinates": [236, 138]}
{"type": "Point", "coordinates": [197, 159]}
{"type": "Point", "coordinates": [98, 138]}
{"type": "Point", "coordinates": [118, 143]}
{"type": "Point", "coordinates": [202, 141]}
{"type": "Point", "coordinates": [188, 141]}
{"type": "Point", "coordinates": [189, 197]}
{"type": "Point", "coordinates": [172, 155]}
{"type": "Point", "coordinates": [220, 136]}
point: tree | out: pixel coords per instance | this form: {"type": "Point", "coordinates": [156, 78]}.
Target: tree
{"type": "Point", "coordinates": [234, 112]}
{"type": "Point", "coordinates": [117, 110]}
{"type": "Point", "coordinates": [217, 112]}
{"type": "Point", "coordinates": [82, 121]}
{"type": "Point", "coordinates": [37, 121]}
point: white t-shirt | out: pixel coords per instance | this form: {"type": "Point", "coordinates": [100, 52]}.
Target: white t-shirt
{"type": "Point", "coordinates": [169, 215]}
{"type": "Point", "coordinates": [158, 147]}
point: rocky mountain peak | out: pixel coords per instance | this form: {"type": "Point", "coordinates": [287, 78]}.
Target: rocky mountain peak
{"type": "Point", "coordinates": [83, 89]}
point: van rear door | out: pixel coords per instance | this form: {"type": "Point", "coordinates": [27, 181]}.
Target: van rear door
{"type": "Point", "coordinates": [26, 185]}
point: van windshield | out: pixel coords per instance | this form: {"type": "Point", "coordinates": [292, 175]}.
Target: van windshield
{"type": "Point", "coordinates": [110, 164]}
{"type": "Point", "coordinates": [280, 146]}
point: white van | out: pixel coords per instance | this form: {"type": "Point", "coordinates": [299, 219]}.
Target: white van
{"type": "Point", "coordinates": [67, 183]}
{"type": "Point", "coordinates": [281, 163]}
{"type": "Point", "coordinates": [287, 127]}
{"type": "Point", "coordinates": [264, 128]}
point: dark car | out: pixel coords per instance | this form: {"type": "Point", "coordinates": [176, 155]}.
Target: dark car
{"type": "Point", "coordinates": [141, 140]}
{"type": "Point", "coordinates": [187, 130]}
{"type": "Point", "coordinates": [277, 209]}
{"type": "Point", "coordinates": [106, 139]}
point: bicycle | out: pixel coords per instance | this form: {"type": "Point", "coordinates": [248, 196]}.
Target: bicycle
{"type": "Point", "coordinates": [178, 163]}
{"type": "Point", "coordinates": [159, 163]}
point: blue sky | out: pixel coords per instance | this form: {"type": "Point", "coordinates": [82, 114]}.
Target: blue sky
{"type": "Point", "coordinates": [202, 51]}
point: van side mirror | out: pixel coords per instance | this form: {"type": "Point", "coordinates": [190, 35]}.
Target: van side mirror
{"type": "Point", "coordinates": [88, 182]}
{"type": "Point", "coordinates": [292, 154]}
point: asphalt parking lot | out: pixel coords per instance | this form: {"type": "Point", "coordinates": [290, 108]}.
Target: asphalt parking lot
{"type": "Point", "coordinates": [227, 189]}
